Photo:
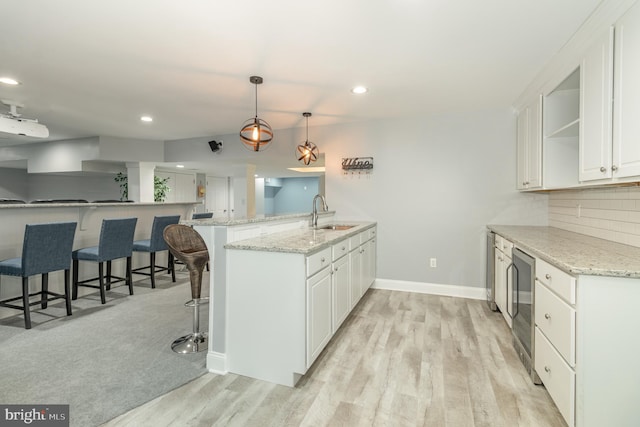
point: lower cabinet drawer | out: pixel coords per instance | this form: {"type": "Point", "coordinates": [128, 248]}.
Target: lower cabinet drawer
{"type": "Point", "coordinates": [318, 261]}
{"type": "Point", "coordinates": [562, 283]}
{"type": "Point", "coordinates": [557, 376]}
{"type": "Point", "coordinates": [557, 320]}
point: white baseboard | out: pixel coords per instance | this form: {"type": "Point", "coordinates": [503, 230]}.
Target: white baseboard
{"type": "Point", "coordinates": [431, 288]}
{"type": "Point", "coordinates": [217, 363]}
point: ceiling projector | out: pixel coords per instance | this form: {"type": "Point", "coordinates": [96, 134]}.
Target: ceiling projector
{"type": "Point", "coordinates": [13, 124]}
{"type": "Point", "coordinates": [24, 127]}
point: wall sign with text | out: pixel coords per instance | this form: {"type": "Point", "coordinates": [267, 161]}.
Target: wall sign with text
{"type": "Point", "coordinates": [357, 164]}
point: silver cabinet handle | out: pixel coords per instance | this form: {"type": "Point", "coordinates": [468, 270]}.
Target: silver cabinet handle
{"type": "Point", "coordinates": [322, 259]}
{"type": "Point", "coordinates": [547, 316]}
{"type": "Point", "coordinates": [603, 169]}
{"type": "Point", "coordinates": [614, 168]}
{"type": "Point", "coordinates": [344, 248]}
{"type": "Point", "coordinates": [547, 276]}
{"type": "Point", "coordinates": [547, 369]}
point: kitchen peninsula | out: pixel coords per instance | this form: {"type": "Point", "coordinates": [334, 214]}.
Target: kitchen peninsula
{"type": "Point", "coordinates": [280, 289]}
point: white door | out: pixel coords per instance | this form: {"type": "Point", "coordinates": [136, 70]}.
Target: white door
{"type": "Point", "coordinates": [217, 196]}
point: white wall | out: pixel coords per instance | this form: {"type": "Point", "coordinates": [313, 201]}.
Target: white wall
{"type": "Point", "coordinates": [436, 182]}
{"type": "Point", "coordinates": [13, 184]}
{"type": "Point", "coordinates": [49, 186]}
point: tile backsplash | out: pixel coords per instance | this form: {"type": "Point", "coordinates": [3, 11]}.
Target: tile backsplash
{"type": "Point", "coordinates": [608, 213]}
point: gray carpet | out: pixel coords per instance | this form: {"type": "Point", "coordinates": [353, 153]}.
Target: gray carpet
{"type": "Point", "coordinates": [105, 359]}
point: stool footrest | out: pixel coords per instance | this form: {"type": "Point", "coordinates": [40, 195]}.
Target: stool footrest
{"type": "Point", "coordinates": [200, 301]}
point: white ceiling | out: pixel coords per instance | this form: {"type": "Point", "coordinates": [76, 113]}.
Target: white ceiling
{"type": "Point", "coordinates": [92, 68]}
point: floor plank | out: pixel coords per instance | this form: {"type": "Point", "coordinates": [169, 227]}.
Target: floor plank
{"type": "Point", "coordinates": [400, 359]}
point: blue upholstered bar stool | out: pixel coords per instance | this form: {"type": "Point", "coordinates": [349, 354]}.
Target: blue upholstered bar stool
{"type": "Point", "coordinates": [188, 246]}
{"type": "Point", "coordinates": [155, 244]}
{"type": "Point", "coordinates": [46, 248]}
{"type": "Point", "coordinates": [116, 241]}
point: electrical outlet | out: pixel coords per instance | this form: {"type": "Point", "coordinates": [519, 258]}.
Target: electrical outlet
{"type": "Point", "coordinates": [433, 263]}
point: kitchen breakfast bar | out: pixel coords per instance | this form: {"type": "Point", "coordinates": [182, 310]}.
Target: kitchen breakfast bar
{"type": "Point", "coordinates": [279, 290]}
{"type": "Point", "coordinates": [88, 216]}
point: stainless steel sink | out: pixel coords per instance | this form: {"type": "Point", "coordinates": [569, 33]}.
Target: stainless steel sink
{"type": "Point", "coordinates": [338, 227]}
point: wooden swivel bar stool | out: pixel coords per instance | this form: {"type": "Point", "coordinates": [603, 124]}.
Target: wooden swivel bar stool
{"type": "Point", "coordinates": [188, 246]}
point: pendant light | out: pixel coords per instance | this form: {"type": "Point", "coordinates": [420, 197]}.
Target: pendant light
{"type": "Point", "coordinates": [307, 152]}
{"type": "Point", "coordinates": [256, 134]}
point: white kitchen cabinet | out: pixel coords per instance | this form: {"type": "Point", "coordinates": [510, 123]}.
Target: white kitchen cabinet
{"type": "Point", "coordinates": [284, 307]}
{"type": "Point", "coordinates": [584, 354]}
{"type": "Point", "coordinates": [529, 146]}
{"type": "Point", "coordinates": [368, 264]}
{"type": "Point", "coordinates": [609, 151]}
{"type": "Point", "coordinates": [182, 186]}
{"type": "Point", "coordinates": [596, 91]}
{"type": "Point", "coordinates": [626, 106]}
{"type": "Point", "coordinates": [503, 284]}
{"type": "Point", "coordinates": [340, 284]}
{"type": "Point", "coordinates": [555, 335]}
{"type": "Point", "coordinates": [355, 270]}
{"type": "Point", "coordinates": [319, 322]}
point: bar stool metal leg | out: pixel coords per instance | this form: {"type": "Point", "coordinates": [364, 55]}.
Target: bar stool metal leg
{"type": "Point", "coordinates": [196, 341]}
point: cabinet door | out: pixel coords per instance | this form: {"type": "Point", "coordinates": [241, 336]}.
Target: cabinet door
{"type": "Point", "coordinates": [185, 187]}
{"type": "Point", "coordinates": [371, 273]}
{"type": "Point", "coordinates": [365, 249]}
{"type": "Point", "coordinates": [529, 140]}
{"type": "Point", "coordinates": [341, 298]}
{"type": "Point", "coordinates": [626, 107]}
{"type": "Point", "coordinates": [355, 262]}
{"type": "Point", "coordinates": [503, 287]}
{"type": "Point", "coordinates": [523, 126]}
{"type": "Point", "coordinates": [500, 282]}
{"type": "Point", "coordinates": [318, 314]}
{"type": "Point", "coordinates": [596, 92]}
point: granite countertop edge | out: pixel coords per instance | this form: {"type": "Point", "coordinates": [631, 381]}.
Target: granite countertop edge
{"type": "Point", "coordinates": [575, 253]}
{"type": "Point", "coordinates": [88, 205]}
{"type": "Point", "coordinates": [303, 241]}
{"type": "Point", "coordinates": [241, 221]}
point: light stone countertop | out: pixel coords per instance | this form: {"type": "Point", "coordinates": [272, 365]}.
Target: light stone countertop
{"type": "Point", "coordinates": [87, 205]}
{"type": "Point", "coordinates": [244, 220]}
{"type": "Point", "coordinates": [573, 252]}
{"type": "Point", "coordinates": [303, 241]}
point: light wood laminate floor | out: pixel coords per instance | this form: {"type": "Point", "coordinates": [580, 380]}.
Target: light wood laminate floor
{"type": "Point", "coordinates": [400, 359]}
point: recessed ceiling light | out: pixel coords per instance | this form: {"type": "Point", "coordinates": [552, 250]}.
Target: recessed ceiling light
{"type": "Point", "coordinates": [358, 90]}
{"type": "Point", "coordinates": [8, 81]}
{"type": "Point", "coordinates": [180, 166]}
{"type": "Point", "coordinates": [146, 118]}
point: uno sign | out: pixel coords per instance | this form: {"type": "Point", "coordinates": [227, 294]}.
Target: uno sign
{"type": "Point", "coordinates": [357, 163]}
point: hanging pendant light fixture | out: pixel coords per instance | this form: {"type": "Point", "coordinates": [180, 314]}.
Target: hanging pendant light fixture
{"type": "Point", "coordinates": [256, 134]}
{"type": "Point", "coordinates": [307, 152]}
